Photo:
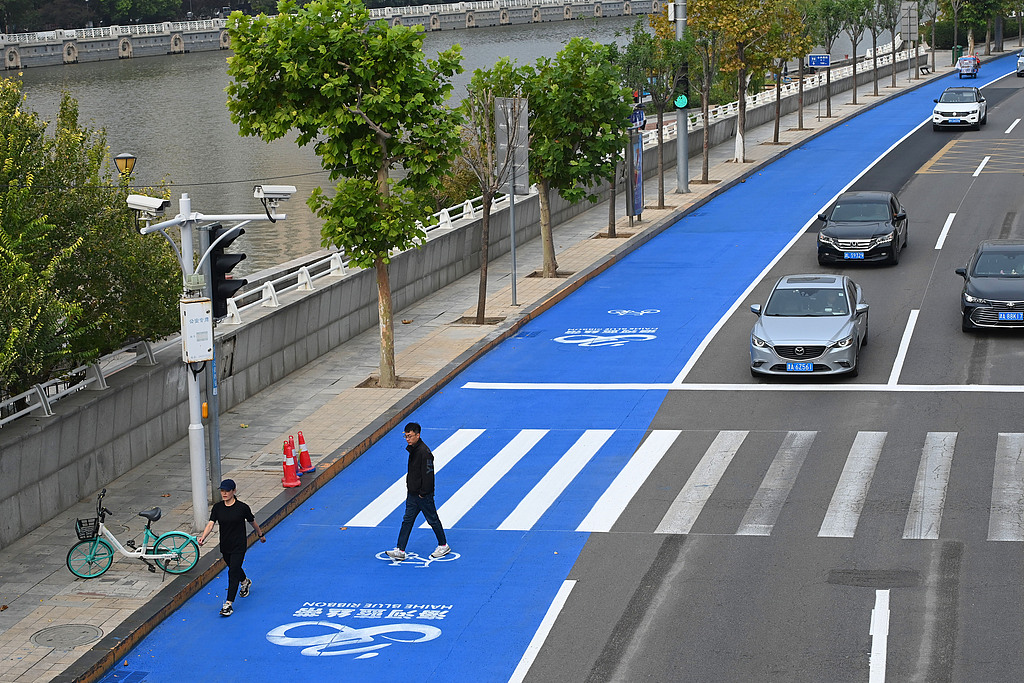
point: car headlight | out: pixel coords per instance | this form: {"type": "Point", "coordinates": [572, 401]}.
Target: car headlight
{"type": "Point", "coordinates": [885, 239]}
{"type": "Point", "coordinates": [758, 342]}
{"type": "Point", "coordinates": [827, 241]}
{"type": "Point", "coordinates": [843, 343]}
{"type": "Point", "coordinates": [973, 299]}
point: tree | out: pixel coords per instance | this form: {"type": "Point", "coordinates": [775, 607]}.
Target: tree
{"type": "Point", "coordinates": [705, 36]}
{"type": "Point", "coordinates": [657, 65]}
{"type": "Point", "coordinates": [828, 24]}
{"type": "Point", "coordinates": [806, 10]}
{"type": "Point", "coordinates": [953, 7]}
{"type": "Point", "coordinates": [873, 21]}
{"type": "Point", "coordinates": [929, 9]}
{"type": "Point", "coordinates": [889, 12]}
{"type": "Point", "coordinates": [786, 41]}
{"type": "Point", "coordinates": [578, 117]}
{"type": "Point", "coordinates": [853, 19]}
{"type": "Point", "coordinates": [371, 103]}
{"type": "Point", "coordinates": [480, 148]}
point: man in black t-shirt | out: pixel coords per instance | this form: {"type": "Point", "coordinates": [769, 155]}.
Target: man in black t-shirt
{"type": "Point", "coordinates": [232, 514]}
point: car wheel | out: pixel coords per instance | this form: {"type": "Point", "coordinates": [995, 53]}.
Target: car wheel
{"type": "Point", "coordinates": [906, 236]}
{"type": "Point", "coordinates": [864, 339]}
{"type": "Point", "coordinates": [984, 119]}
{"type": "Point", "coordinates": [976, 126]}
{"type": "Point", "coordinates": [822, 262]}
{"type": "Point", "coordinates": [965, 324]}
{"type": "Point", "coordinates": [856, 367]}
{"type": "Point", "coordinates": [894, 257]}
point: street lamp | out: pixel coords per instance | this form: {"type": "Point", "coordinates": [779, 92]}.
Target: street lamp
{"type": "Point", "coordinates": [125, 163]}
{"type": "Point", "coordinates": [196, 313]}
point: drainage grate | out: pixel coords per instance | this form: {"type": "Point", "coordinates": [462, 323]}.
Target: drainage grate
{"type": "Point", "coordinates": [66, 636]}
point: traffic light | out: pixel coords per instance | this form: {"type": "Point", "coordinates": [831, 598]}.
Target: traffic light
{"type": "Point", "coordinates": [223, 286]}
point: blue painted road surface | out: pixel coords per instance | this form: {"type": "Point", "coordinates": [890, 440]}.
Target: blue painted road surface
{"type": "Point", "coordinates": [524, 477]}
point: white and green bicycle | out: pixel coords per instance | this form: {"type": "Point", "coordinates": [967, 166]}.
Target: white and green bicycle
{"type": "Point", "coordinates": [175, 552]}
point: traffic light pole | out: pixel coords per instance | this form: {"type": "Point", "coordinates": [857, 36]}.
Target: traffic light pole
{"type": "Point", "coordinates": [682, 128]}
{"type": "Point", "coordinates": [212, 401]}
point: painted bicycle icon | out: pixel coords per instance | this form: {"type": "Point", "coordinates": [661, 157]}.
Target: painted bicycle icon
{"type": "Point", "coordinates": [344, 638]}
{"type": "Point", "coordinates": [603, 339]}
{"type": "Point", "coordinates": [415, 560]}
{"type": "Point", "coordinates": [626, 311]}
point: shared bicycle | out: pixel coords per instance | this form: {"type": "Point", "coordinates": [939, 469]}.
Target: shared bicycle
{"type": "Point", "coordinates": [175, 551]}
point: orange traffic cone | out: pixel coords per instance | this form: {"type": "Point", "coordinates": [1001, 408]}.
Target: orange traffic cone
{"type": "Point", "coordinates": [290, 479]}
{"type": "Point", "coordinates": [291, 444]}
{"type": "Point", "coordinates": [305, 464]}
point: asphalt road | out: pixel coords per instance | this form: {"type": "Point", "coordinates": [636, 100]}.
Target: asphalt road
{"type": "Point", "coordinates": [793, 527]}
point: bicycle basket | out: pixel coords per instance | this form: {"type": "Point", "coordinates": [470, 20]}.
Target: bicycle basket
{"type": "Point", "coordinates": [87, 528]}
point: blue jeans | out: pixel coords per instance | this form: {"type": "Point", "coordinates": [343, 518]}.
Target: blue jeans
{"type": "Point", "coordinates": [414, 505]}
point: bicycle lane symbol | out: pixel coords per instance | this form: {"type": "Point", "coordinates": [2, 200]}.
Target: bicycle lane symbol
{"type": "Point", "coordinates": [415, 560]}
{"type": "Point", "coordinates": [590, 340]}
{"type": "Point", "coordinates": [345, 637]}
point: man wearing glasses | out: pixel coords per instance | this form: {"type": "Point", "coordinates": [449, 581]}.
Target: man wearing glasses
{"type": "Point", "coordinates": [420, 484]}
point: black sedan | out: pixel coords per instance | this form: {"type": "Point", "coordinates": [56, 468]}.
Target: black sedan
{"type": "Point", "coordinates": [993, 294]}
{"type": "Point", "coordinates": [863, 226]}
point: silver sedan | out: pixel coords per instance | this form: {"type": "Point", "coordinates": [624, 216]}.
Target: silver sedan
{"type": "Point", "coordinates": [812, 324]}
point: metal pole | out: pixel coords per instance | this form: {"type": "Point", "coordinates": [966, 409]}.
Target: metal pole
{"type": "Point", "coordinates": [630, 170]}
{"type": "Point", "coordinates": [196, 447]}
{"type": "Point", "coordinates": [212, 400]}
{"type": "Point", "coordinates": [682, 127]}
{"type": "Point", "coordinates": [512, 228]}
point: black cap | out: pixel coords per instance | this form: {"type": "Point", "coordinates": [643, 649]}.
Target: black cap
{"type": "Point", "coordinates": [227, 485]}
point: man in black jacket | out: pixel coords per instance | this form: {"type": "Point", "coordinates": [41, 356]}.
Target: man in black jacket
{"type": "Point", "coordinates": [420, 498]}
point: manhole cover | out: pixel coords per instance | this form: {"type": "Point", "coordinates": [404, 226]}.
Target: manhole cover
{"type": "Point", "coordinates": [66, 636]}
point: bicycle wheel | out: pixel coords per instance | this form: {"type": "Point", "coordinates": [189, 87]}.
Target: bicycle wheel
{"type": "Point", "coordinates": [186, 552]}
{"type": "Point", "coordinates": [89, 559]}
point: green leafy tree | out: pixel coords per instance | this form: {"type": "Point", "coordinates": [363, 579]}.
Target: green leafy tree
{"type": "Point", "coordinates": [491, 168]}
{"type": "Point", "coordinates": [874, 23]}
{"type": "Point", "coordinates": [705, 36]}
{"type": "Point", "coordinates": [371, 104]}
{"type": "Point", "coordinates": [657, 65]}
{"type": "Point", "coordinates": [888, 13]}
{"type": "Point", "coordinates": [787, 40]}
{"type": "Point", "coordinates": [929, 10]}
{"type": "Point", "coordinates": [827, 21]}
{"type": "Point", "coordinates": [854, 22]}
{"type": "Point", "coordinates": [806, 10]}
{"type": "Point", "coordinates": [578, 118]}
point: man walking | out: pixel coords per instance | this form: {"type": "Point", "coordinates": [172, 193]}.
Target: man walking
{"type": "Point", "coordinates": [420, 498]}
{"type": "Point", "coordinates": [232, 514]}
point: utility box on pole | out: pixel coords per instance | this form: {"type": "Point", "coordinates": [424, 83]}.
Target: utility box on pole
{"type": "Point", "coordinates": [196, 330]}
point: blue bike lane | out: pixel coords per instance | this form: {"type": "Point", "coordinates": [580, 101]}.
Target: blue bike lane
{"type": "Point", "coordinates": [521, 474]}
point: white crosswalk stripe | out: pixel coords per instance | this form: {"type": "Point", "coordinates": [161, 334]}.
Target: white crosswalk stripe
{"type": "Point", "coordinates": [1006, 522]}
{"type": "Point", "coordinates": [930, 488]}
{"type": "Point", "coordinates": [764, 510]}
{"type": "Point", "coordinates": [848, 499]}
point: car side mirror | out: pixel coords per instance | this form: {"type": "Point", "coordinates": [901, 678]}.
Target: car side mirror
{"type": "Point", "coordinates": [862, 308]}
{"type": "Point", "coordinates": [936, 101]}
{"type": "Point", "coordinates": [755, 309]}
{"type": "Point", "coordinates": [822, 217]}
{"type": "Point", "coordinates": [901, 215]}
{"type": "Point", "coordinates": [962, 272]}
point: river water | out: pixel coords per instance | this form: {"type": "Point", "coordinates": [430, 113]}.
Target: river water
{"type": "Point", "coordinates": [171, 113]}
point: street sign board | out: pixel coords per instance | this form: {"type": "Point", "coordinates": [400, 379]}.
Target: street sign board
{"type": "Point", "coordinates": [909, 21]}
{"type": "Point", "coordinates": [512, 130]}
{"type": "Point", "coordinates": [818, 61]}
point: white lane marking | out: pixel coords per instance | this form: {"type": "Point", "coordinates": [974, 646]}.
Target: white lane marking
{"type": "Point", "coordinates": [929, 497]}
{"type": "Point", "coordinates": [533, 649]}
{"type": "Point", "coordinates": [470, 493]}
{"type": "Point", "coordinates": [533, 506]}
{"type": "Point", "coordinates": [374, 513]}
{"type": "Point", "coordinates": [945, 231]}
{"type": "Point", "coordinates": [852, 490]}
{"type": "Point", "coordinates": [616, 497]}
{"type": "Point", "coordinates": [1012, 126]}
{"type": "Point", "coordinates": [687, 506]}
{"type": "Point", "coordinates": [1007, 512]}
{"type": "Point", "coordinates": [879, 632]}
{"type": "Point", "coordinates": [802, 387]}
{"type": "Point", "coordinates": [767, 505]}
{"type": "Point", "coordinates": [901, 354]}
{"type": "Point", "coordinates": [977, 171]}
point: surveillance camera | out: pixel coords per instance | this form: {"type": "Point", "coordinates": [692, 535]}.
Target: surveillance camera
{"type": "Point", "coordinates": [144, 204]}
{"type": "Point", "coordinates": [273, 192]}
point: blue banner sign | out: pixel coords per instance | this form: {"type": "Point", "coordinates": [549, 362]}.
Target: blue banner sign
{"type": "Point", "coordinates": [818, 61]}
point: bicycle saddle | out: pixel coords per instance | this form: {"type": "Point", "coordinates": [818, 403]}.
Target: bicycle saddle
{"type": "Point", "coordinates": [152, 514]}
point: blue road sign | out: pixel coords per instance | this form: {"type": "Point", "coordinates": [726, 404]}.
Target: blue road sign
{"type": "Point", "coordinates": [818, 61]}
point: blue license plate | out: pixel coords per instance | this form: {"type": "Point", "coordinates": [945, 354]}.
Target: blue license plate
{"type": "Point", "coordinates": [853, 255]}
{"type": "Point", "coordinates": [1011, 316]}
{"type": "Point", "coordinates": [954, 120]}
{"type": "Point", "coordinates": [799, 367]}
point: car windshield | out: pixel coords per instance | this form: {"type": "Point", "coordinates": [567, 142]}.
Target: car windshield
{"type": "Point", "coordinates": [860, 211]}
{"type": "Point", "coordinates": [807, 301]}
{"type": "Point", "coordinates": [999, 265]}
{"type": "Point", "coordinates": [957, 97]}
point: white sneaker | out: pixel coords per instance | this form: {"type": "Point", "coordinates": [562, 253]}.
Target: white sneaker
{"type": "Point", "coordinates": [397, 554]}
{"type": "Point", "coordinates": [441, 551]}
{"type": "Point", "coordinates": [227, 610]}
{"type": "Point", "coordinates": [243, 588]}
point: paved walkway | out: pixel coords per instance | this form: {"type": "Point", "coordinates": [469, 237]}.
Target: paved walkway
{"type": "Point", "coordinates": [37, 592]}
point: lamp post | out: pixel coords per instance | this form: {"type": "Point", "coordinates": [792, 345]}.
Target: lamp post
{"type": "Point", "coordinates": [125, 163]}
{"type": "Point", "coordinates": [196, 314]}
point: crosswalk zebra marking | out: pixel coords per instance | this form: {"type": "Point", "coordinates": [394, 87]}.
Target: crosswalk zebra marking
{"type": "Point", "coordinates": [470, 493]}
{"type": "Point", "coordinates": [929, 496]}
{"type": "Point", "coordinates": [852, 490]}
{"type": "Point", "coordinates": [613, 501]}
{"type": "Point", "coordinates": [534, 504]}
{"type": "Point", "coordinates": [1006, 513]}
{"type": "Point", "coordinates": [764, 510]}
{"type": "Point", "coordinates": [386, 503]}
{"type": "Point", "coordinates": [687, 506]}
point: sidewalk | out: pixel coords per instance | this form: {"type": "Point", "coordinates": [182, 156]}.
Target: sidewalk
{"type": "Point", "coordinates": [56, 627]}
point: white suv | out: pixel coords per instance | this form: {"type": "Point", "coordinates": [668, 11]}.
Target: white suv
{"type": "Point", "coordinates": [960, 107]}
{"type": "Point", "coordinates": [1020, 65]}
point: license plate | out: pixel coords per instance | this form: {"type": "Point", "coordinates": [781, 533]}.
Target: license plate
{"type": "Point", "coordinates": [853, 255]}
{"type": "Point", "coordinates": [799, 367]}
{"type": "Point", "coordinates": [1011, 315]}
{"type": "Point", "coordinates": [954, 120]}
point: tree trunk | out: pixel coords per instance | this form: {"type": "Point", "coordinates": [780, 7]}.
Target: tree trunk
{"type": "Point", "coordinates": [828, 91]}
{"type": "Point", "coordinates": [800, 96]}
{"type": "Point", "coordinates": [854, 76]}
{"type": "Point", "coordinates": [611, 199]}
{"type": "Point", "coordinates": [661, 157]}
{"type": "Point", "coordinates": [892, 74]}
{"type": "Point", "coordinates": [705, 109]}
{"type": "Point", "coordinates": [550, 268]}
{"type": "Point", "coordinates": [388, 379]}
{"type": "Point", "coordinates": [741, 115]}
{"type": "Point", "coordinates": [874, 62]}
{"type": "Point", "coordinates": [778, 105]}
{"type": "Point", "coordinates": [485, 229]}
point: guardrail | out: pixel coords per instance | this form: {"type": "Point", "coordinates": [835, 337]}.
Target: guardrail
{"type": "Point", "coordinates": [305, 278]}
